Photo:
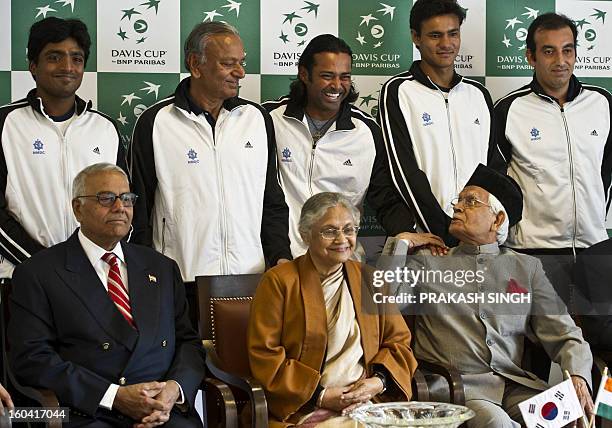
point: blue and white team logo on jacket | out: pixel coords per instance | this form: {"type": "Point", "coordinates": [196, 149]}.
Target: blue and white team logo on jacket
{"type": "Point", "coordinates": [192, 155]}
{"type": "Point", "coordinates": [286, 155]}
{"type": "Point", "coordinates": [535, 134]}
{"type": "Point", "coordinates": [38, 147]}
{"type": "Point", "coordinates": [427, 119]}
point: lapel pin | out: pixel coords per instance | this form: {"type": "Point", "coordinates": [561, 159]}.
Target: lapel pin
{"type": "Point", "coordinates": [152, 278]}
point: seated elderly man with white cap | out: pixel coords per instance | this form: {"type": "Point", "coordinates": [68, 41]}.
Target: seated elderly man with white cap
{"type": "Point", "coordinates": [484, 340]}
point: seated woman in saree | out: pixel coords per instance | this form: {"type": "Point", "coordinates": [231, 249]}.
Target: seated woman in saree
{"type": "Point", "coordinates": [314, 347]}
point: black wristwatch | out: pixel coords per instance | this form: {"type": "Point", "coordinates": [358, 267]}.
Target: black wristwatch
{"type": "Point", "coordinates": [383, 378]}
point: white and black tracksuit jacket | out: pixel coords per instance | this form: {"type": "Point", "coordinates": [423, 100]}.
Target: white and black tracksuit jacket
{"type": "Point", "coordinates": [341, 161]}
{"type": "Point", "coordinates": [434, 139]}
{"type": "Point", "coordinates": [562, 159]}
{"type": "Point", "coordinates": [209, 192]}
{"type": "Point", "coordinates": [37, 166]}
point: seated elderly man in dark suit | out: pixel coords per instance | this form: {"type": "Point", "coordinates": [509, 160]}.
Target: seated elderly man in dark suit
{"type": "Point", "coordinates": [104, 324]}
{"type": "Point", "coordinates": [483, 337]}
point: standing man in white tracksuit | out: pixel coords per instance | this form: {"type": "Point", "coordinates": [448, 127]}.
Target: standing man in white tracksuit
{"type": "Point", "coordinates": [46, 139]}
{"type": "Point", "coordinates": [437, 127]}
{"type": "Point", "coordinates": [204, 167]}
{"type": "Point", "coordinates": [324, 143]}
{"type": "Point", "coordinates": [554, 135]}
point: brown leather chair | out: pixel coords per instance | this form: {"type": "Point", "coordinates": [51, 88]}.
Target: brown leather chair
{"type": "Point", "coordinates": [44, 397]}
{"type": "Point", "coordinates": [224, 304]}
{"type": "Point", "coordinates": [224, 309]}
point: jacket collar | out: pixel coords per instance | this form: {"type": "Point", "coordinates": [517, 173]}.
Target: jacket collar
{"type": "Point", "coordinates": [492, 248]}
{"type": "Point", "coordinates": [575, 87]}
{"type": "Point", "coordinates": [343, 121]}
{"type": "Point", "coordinates": [36, 103]}
{"type": "Point", "coordinates": [421, 77]}
{"type": "Point", "coordinates": [183, 100]}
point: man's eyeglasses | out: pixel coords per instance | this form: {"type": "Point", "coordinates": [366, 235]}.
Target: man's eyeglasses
{"type": "Point", "coordinates": [469, 202]}
{"type": "Point", "coordinates": [333, 233]}
{"type": "Point", "coordinates": [107, 199]}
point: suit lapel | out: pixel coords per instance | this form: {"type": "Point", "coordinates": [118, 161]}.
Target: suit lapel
{"type": "Point", "coordinates": [315, 336]}
{"type": "Point", "coordinates": [80, 276]}
{"type": "Point", "coordinates": [145, 296]}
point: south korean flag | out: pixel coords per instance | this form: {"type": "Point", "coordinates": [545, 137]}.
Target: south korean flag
{"type": "Point", "coordinates": [555, 407]}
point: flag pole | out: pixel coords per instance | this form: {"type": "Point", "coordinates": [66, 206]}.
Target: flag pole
{"type": "Point", "coordinates": [585, 422]}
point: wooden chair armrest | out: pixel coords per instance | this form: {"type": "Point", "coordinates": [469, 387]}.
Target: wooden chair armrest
{"type": "Point", "coordinates": [259, 407]}
{"type": "Point", "coordinates": [420, 390]}
{"type": "Point", "coordinates": [452, 376]}
{"type": "Point", "coordinates": [46, 398]}
{"type": "Point", "coordinates": [230, 412]}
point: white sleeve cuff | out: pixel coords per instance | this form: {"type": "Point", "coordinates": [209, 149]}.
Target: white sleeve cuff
{"type": "Point", "coordinates": [181, 398]}
{"type": "Point", "coordinates": [109, 396]}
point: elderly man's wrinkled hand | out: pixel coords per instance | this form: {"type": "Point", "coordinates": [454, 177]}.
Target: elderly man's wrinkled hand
{"type": "Point", "coordinates": [586, 402]}
{"type": "Point", "coordinates": [435, 244]}
{"type": "Point", "coordinates": [155, 419]}
{"type": "Point", "coordinates": [137, 401]}
{"type": "Point", "coordinates": [360, 392]}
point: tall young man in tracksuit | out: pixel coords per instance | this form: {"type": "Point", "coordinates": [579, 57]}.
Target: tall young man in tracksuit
{"type": "Point", "coordinates": [324, 143]}
{"type": "Point", "coordinates": [204, 166]}
{"type": "Point", "coordinates": [47, 138]}
{"type": "Point", "coordinates": [554, 135]}
{"type": "Point", "coordinates": [437, 127]}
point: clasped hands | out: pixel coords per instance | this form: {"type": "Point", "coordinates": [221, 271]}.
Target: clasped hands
{"type": "Point", "coordinates": [436, 245]}
{"type": "Point", "coordinates": [343, 399]}
{"type": "Point", "coordinates": [148, 403]}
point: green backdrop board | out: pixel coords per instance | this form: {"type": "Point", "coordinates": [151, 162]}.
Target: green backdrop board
{"type": "Point", "coordinates": [136, 57]}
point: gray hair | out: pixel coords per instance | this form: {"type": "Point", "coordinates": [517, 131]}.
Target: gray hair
{"type": "Point", "coordinates": [78, 184]}
{"type": "Point", "coordinates": [200, 36]}
{"type": "Point", "coordinates": [316, 206]}
{"type": "Point", "coordinates": [497, 207]}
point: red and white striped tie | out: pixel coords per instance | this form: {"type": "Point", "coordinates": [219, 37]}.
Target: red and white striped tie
{"type": "Point", "coordinates": [116, 289]}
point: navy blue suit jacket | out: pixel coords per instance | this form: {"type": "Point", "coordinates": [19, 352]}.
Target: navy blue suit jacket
{"type": "Point", "coordinates": [66, 334]}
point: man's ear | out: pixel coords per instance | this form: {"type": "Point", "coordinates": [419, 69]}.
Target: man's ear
{"type": "Point", "coordinates": [530, 55]}
{"type": "Point", "coordinates": [194, 62]}
{"type": "Point", "coordinates": [32, 67]}
{"type": "Point", "coordinates": [303, 74]}
{"type": "Point", "coordinates": [76, 209]}
{"type": "Point", "coordinates": [499, 220]}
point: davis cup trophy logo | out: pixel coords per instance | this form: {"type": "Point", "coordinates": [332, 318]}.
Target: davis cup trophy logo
{"type": "Point", "coordinates": [373, 28]}
{"type": "Point", "coordinates": [593, 50]}
{"type": "Point", "coordinates": [138, 36]}
{"type": "Point", "coordinates": [516, 37]}
{"type": "Point", "coordinates": [593, 58]}
{"type": "Point", "coordinates": [378, 33]}
{"type": "Point", "coordinates": [507, 26]}
{"type": "Point", "coordinates": [134, 21]}
{"type": "Point", "coordinates": [587, 36]}
{"type": "Point", "coordinates": [295, 27]}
